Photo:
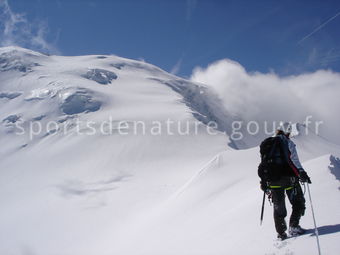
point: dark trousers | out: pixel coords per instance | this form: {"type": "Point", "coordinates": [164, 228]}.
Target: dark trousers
{"type": "Point", "coordinates": [292, 189]}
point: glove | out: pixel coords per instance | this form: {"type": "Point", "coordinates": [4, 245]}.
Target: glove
{"type": "Point", "coordinates": [264, 186]}
{"type": "Point", "coordinates": [304, 177]}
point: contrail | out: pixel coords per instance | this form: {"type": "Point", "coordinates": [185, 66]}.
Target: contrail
{"type": "Point", "coordinates": [319, 27]}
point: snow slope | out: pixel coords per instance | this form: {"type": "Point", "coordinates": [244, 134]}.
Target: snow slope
{"type": "Point", "coordinates": [116, 192]}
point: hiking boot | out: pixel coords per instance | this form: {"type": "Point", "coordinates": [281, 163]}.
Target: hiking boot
{"type": "Point", "coordinates": [282, 236]}
{"type": "Point", "coordinates": [296, 231]}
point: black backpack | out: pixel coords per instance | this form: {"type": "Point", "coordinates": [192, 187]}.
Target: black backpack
{"type": "Point", "coordinates": [273, 162]}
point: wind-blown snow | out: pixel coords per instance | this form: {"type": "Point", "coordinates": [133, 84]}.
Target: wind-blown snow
{"type": "Point", "coordinates": [133, 194]}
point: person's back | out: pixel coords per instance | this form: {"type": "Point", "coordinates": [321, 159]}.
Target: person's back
{"type": "Point", "coordinates": [288, 171]}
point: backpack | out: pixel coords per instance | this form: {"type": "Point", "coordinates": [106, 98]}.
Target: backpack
{"type": "Point", "coordinates": [273, 162]}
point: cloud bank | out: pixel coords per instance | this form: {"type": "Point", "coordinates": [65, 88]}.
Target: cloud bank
{"type": "Point", "coordinates": [16, 30]}
{"type": "Point", "coordinates": [269, 97]}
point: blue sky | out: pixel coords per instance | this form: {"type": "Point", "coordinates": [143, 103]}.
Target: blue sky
{"type": "Point", "coordinates": [288, 37]}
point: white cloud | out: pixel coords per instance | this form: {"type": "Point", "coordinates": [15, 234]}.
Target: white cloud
{"type": "Point", "coordinates": [16, 30]}
{"type": "Point", "coordinates": [269, 97]}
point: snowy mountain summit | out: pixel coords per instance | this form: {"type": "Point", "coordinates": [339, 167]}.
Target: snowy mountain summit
{"type": "Point", "coordinates": [106, 155]}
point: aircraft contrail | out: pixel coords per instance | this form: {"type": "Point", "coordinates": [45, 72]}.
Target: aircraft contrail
{"type": "Point", "coordinates": [319, 27]}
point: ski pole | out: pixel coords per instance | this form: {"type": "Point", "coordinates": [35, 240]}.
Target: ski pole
{"type": "Point", "coordinates": [262, 209]}
{"type": "Point", "coordinates": [315, 227]}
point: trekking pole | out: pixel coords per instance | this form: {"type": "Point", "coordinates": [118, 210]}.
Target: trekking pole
{"type": "Point", "coordinates": [262, 209]}
{"type": "Point", "coordinates": [315, 227]}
